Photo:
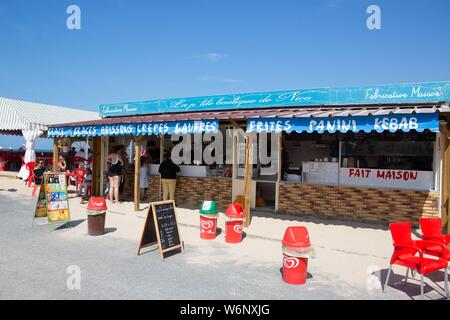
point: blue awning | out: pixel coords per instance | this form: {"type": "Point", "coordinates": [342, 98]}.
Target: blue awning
{"type": "Point", "coordinates": [391, 123]}
{"type": "Point", "coordinates": [135, 129]}
{"type": "Point", "coordinates": [414, 93]}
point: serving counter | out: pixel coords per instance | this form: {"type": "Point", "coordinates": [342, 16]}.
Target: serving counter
{"type": "Point", "coordinates": [190, 191]}
{"type": "Point", "coordinates": [357, 203]}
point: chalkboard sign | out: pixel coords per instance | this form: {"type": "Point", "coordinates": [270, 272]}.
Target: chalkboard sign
{"type": "Point", "coordinates": [161, 227]}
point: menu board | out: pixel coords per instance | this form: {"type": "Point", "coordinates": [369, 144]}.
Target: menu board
{"type": "Point", "coordinates": [56, 197]}
{"type": "Point", "coordinates": [161, 227]}
{"type": "Point", "coordinates": [320, 172]}
{"type": "Point", "coordinates": [41, 205]}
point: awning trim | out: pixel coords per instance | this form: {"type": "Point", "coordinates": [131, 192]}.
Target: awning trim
{"type": "Point", "coordinates": [238, 115]}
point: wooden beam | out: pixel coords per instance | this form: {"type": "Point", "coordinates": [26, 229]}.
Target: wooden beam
{"type": "Point", "coordinates": [161, 148]}
{"type": "Point", "coordinates": [279, 168]}
{"type": "Point", "coordinates": [137, 169]}
{"type": "Point", "coordinates": [235, 124]}
{"type": "Point", "coordinates": [446, 182]}
{"type": "Point", "coordinates": [161, 159]}
{"type": "Point", "coordinates": [102, 165]}
{"type": "Point", "coordinates": [96, 165]}
{"type": "Point", "coordinates": [55, 155]}
{"type": "Point", "coordinates": [445, 176]}
{"type": "Point", "coordinates": [247, 176]}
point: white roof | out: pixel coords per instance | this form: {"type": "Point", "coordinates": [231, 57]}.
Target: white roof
{"type": "Point", "coordinates": [19, 115]}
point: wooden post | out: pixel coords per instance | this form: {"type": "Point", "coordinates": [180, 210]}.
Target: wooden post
{"type": "Point", "coordinates": [96, 165]}
{"type": "Point", "coordinates": [247, 176]}
{"type": "Point", "coordinates": [161, 159]}
{"type": "Point", "coordinates": [279, 168]}
{"type": "Point", "coordinates": [445, 176]}
{"type": "Point", "coordinates": [161, 148]}
{"type": "Point", "coordinates": [55, 155]}
{"type": "Point", "coordinates": [102, 165]}
{"type": "Point", "coordinates": [137, 169]}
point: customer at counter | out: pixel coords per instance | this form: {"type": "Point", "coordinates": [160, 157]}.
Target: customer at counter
{"type": "Point", "coordinates": [143, 177]}
{"type": "Point", "coordinates": [168, 171]}
{"type": "Point", "coordinates": [153, 152]}
{"type": "Point", "coordinates": [116, 163]}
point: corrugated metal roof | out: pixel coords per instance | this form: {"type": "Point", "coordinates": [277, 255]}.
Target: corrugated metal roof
{"type": "Point", "coordinates": [267, 113]}
{"type": "Point", "coordinates": [18, 115]}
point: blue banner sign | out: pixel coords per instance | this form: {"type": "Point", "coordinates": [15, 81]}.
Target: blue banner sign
{"type": "Point", "coordinates": [136, 129]}
{"type": "Point", "coordinates": [392, 123]}
{"type": "Point", "coordinates": [401, 93]}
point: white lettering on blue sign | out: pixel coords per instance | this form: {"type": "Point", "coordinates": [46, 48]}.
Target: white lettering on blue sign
{"type": "Point", "coordinates": [269, 126]}
{"type": "Point", "coordinates": [332, 125]}
{"type": "Point", "coordinates": [157, 128]}
{"type": "Point", "coordinates": [403, 93]}
{"type": "Point", "coordinates": [394, 124]}
{"type": "Point", "coordinates": [418, 92]}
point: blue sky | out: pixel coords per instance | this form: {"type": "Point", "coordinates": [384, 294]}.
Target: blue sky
{"type": "Point", "coordinates": [141, 49]}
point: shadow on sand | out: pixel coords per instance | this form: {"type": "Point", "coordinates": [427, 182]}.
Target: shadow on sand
{"type": "Point", "coordinates": [70, 224]}
{"type": "Point", "coordinates": [412, 286]}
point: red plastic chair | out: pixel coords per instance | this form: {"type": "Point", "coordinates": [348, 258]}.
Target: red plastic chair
{"type": "Point", "coordinates": [30, 167]}
{"type": "Point", "coordinates": [432, 230]}
{"type": "Point", "coordinates": [409, 253]}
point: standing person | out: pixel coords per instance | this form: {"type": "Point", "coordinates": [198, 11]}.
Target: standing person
{"type": "Point", "coordinates": [153, 151]}
{"type": "Point", "coordinates": [168, 171]}
{"type": "Point", "coordinates": [114, 173]}
{"type": "Point", "coordinates": [70, 158]}
{"type": "Point", "coordinates": [38, 174]}
{"type": "Point", "coordinates": [121, 151]}
{"type": "Point", "coordinates": [62, 165]}
{"type": "Point", "coordinates": [86, 186]}
{"type": "Point", "coordinates": [143, 177]}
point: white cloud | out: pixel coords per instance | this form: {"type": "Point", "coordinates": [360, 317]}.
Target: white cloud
{"type": "Point", "coordinates": [212, 56]}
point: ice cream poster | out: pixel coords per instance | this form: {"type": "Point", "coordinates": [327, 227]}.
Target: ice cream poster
{"type": "Point", "coordinates": [41, 205]}
{"type": "Point", "coordinates": [56, 197]}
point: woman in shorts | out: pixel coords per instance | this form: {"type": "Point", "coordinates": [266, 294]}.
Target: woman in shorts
{"type": "Point", "coordinates": [115, 161]}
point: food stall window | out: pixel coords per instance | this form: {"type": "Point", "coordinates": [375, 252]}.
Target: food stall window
{"type": "Point", "coordinates": [389, 151]}
{"type": "Point", "coordinates": [388, 160]}
{"type": "Point", "coordinates": [310, 158]}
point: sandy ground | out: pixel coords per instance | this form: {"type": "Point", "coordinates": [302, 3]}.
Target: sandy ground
{"type": "Point", "coordinates": [351, 257]}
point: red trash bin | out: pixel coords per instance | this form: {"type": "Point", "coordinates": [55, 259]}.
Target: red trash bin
{"type": "Point", "coordinates": [96, 211]}
{"type": "Point", "coordinates": [208, 220]}
{"type": "Point", "coordinates": [234, 224]}
{"type": "Point", "coordinates": [296, 251]}
{"type": "Point", "coordinates": [208, 227]}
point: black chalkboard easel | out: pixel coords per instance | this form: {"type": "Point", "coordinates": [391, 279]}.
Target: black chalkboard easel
{"type": "Point", "coordinates": [161, 227]}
